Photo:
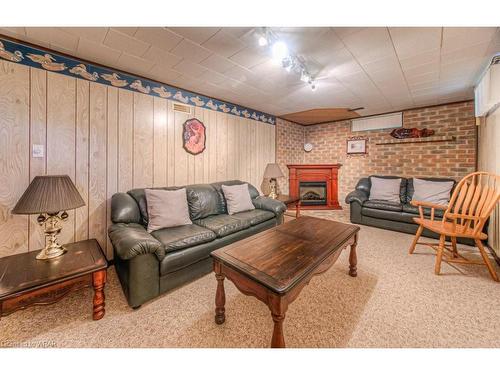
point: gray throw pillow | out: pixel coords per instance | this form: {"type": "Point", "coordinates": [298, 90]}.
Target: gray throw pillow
{"type": "Point", "coordinates": [437, 192]}
{"type": "Point", "coordinates": [167, 208]}
{"type": "Point", "coordinates": [386, 189]}
{"type": "Point", "coordinates": [237, 198]}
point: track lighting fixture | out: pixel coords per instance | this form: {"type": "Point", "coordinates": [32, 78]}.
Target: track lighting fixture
{"type": "Point", "coordinates": [282, 56]}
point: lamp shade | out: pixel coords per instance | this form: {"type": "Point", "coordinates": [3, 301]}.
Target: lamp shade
{"type": "Point", "coordinates": [49, 194]}
{"type": "Point", "coordinates": [273, 170]}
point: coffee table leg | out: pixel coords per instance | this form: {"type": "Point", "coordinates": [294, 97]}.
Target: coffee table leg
{"type": "Point", "coordinates": [297, 210]}
{"type": "Point", "coordinates": [99, 281]}
{"type": "Point", "coordinates": [220, 296]}
{"type": "Point", "coordinates": [353, 261]}
{"type": "Point", "coordinates": [278, 306]}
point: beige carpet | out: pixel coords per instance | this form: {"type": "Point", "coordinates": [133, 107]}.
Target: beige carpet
{"type": "Point", "coordinates": [396, 301]}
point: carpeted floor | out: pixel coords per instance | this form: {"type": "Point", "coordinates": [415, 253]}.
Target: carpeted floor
{"type": "Point", "coordinates": [396, 301]}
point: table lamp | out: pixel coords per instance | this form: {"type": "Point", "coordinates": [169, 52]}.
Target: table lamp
{"type": "Point", "coordinates": [272, 172]}
{"type": "Point", "coordinates": [51, 197]}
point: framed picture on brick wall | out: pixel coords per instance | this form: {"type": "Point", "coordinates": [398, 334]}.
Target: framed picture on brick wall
{"type": "Point", "coordinates": [356, 146]}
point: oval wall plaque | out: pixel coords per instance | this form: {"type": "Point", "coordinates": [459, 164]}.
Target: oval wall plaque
{"type": "Point", "coordinates": [193, 136]}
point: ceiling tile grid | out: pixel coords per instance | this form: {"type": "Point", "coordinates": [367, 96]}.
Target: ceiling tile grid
{"type": "Point", "coordinates": [378, 68]}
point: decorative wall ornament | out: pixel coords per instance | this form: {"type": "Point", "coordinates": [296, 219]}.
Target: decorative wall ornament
{"type": "Point", "coordinates": [37, 57]}
{"type": "Point", "coordinates": [403, 133]}
{"type": "Point", "coordinates": [193, 136]}
{"type": "Point", "coordinates": [356, 146]}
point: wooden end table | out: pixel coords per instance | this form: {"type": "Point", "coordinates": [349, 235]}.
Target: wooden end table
{"type": "Point", "coordinates": [275, 265]}
{"type": "Point", "coordinates": [288, 200]}
{"type": "Point", "coordinates": [26, 281]}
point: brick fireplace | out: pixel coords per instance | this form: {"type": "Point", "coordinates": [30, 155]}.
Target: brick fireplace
{"type": "Point", "coordinates": [316, 185]}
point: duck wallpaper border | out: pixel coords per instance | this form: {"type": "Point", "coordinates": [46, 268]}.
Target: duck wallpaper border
{"type": "Point", "coordinates": [38, 57]}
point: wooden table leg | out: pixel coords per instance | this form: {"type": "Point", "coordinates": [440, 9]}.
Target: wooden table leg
{"type": "Point", "coordinates": [278, 306]}
{"type": "Point", "coordinates": [220, 295]}
{"type": "Point", "coordinates": [297, 209]}
{"type": "Point", "coordinates": [353, 261]}
{"type": "Point", "coordinates": [99, 281]}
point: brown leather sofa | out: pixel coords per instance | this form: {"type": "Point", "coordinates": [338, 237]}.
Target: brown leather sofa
{"type": "Point", "coordinates": [149, 264]}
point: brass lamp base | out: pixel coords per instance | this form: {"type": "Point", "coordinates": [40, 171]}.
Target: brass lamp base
{"type": "Point", "coordinates": [272, 184]}
{"type": "Point", "coordinates": [52, 248]}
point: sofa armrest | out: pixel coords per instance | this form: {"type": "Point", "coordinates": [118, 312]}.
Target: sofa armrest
{"type": "Point", "coordinates": [130, 240]}
{"type": "Point", "coordinates": [359, 196]}
{"type": "Point", "coordinates": [269, 204]}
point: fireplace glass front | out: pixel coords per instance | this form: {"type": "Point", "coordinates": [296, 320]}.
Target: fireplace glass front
{"type": "Point", "coordinates": [312, 193]}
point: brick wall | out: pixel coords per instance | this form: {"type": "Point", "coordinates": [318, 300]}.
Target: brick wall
{"type": "Point", "coordinates": [442, 159]}
{"type": "Point", "coordinates": [289, 148]}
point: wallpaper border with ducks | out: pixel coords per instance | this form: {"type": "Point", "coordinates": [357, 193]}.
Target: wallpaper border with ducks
{"type": "Point", "coordinates": [38, 57]}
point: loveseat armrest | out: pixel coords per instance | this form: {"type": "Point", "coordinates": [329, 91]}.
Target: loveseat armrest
{"type": "Point", "coordinates": [269, 204]}
{"type": "Point", "coordinates": [130, 240]}
{"type": "Point", "coordinates": [359, 196]}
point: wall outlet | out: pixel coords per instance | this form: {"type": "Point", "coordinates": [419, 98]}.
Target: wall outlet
{"type": "Point", "coordinates": [38, 151]}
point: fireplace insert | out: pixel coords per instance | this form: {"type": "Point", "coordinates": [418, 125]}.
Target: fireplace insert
{"type": "Point", "coordinates": [312, 193]}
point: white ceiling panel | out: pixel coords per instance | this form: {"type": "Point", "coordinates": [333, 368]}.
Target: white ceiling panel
{"type": "Point", "coordinates": [381, 69]}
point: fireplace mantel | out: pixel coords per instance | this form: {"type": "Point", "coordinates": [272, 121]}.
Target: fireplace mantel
{"type": "Point", "coordinates": [316, 172]}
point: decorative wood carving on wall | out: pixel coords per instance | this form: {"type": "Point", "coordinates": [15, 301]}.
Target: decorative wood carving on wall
{"type": "Point", "coordinates": [193, 136]}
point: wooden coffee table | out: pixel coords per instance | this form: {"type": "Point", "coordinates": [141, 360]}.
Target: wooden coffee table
{"type": "Point", "coordinates": [275, 265]}
{"type": "Point", "coordinates": [26, 281]}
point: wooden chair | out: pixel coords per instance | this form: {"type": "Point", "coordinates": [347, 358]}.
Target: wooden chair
{"type": "Point", "coordinates": [470, 206]}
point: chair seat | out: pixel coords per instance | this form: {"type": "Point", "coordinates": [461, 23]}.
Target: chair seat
{"type": "Point", "coordinates": [448, 229]}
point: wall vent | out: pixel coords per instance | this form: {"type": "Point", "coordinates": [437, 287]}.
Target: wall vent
{"type": "Point", "coordinates": [182, 108]}
{"type": "Point", "coordinates": [392, 120]}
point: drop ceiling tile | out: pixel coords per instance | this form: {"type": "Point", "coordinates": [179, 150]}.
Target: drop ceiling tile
{"type": "Point", "coordinates": [134, 64]}
{"type": "Point", "coordinates": [370, 44]}
{"type": "Point", "coordinates": [411, 41]}
{"type": "Point", "coordinates": [419, 70]}
{"type": "Point", "coordinates": [212, 77]}
{"type": "Point", "coordinates": [196, 34]}
{"type": "Point", "coordinates": [189, 69]}
{"type": "Point", "coordinates": [159, 37]}
{"type": "Point", "coordinates": [224, 44]}
{"type": "Point", "coordinates": [468, 53]}
{"type": "Point", "coordinates": [345, 31]}
{"type": "Point", "coordinates": [163, 74]}
{"type": "Point", "coordinates": [130, 31]}
{"type": "Point", "coordinates": [94, 34]}
{"type": "Point", "coordinates": [97, 52]}
{"type": "Point", "coordinates": [337, 62]}
{"type": "Point", "coordinates": [429, 57]}
{"type": "Point", "coordinates": [190, 51]}
{"type": "Point", "coordinates": [124, 42]}
{"type": "Point", "coordinates": [240, 74]}
{"type": "Point", "coordinates": [161, 56]}
{"type": "Point", "coordinates": [455, 38]}
{"type": "Point", "coordinates": [238, 32]}
{"type": "Point", "coordinates": [251, 56]}
{"type": "Point", "coordinates": [55, 36]}
{"type": "Point", "coordinates": [13, 31]}
{"type": "Point", "coordinates": [217, 63]}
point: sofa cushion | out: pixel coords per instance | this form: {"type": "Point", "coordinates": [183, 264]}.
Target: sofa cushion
{"type": "Point", "coordinates": [385, 189]}
{"type": "Point", "coordinates": [237, 198]}
{"type": "Point", "coordinates": [383, 205]}
{"type": "Point", "coordinates": [221, 203]}
{"type": "Point", "coordinates": [177, 238]}
{"type": "Point", "coordinates": [253, 217]}
{"type": "Point", "coordinates": [222, 225]}
{"type": "Point", "coordinates": [410, 209]}
{"type": "Point", "coordinates": [402, 187]}
{"type": "Point", "coordinates": [167, 209]}
{"type": "Point", "coordinates": [437, 192]}
{"type": "Point", "coordinates": [202, 200]}
{"type": "Point", "coordinates": [381, 214]}
{"type": "Point", "coordinates": [139, 196]}
{"type": "Point", "coordinates": [410, 190]}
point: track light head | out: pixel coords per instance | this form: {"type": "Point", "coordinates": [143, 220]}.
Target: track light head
{"type": "Point", "coordinates": [262, 41]}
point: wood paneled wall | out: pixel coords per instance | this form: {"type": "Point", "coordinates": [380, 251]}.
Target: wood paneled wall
{"type": "Point", "coordinates": [108, 140]}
